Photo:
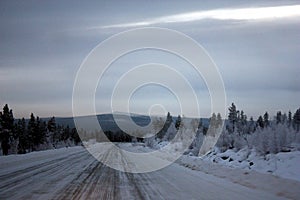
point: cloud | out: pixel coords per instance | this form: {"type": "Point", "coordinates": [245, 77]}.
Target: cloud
{"type": "Point", "coordinates": [245, 14]}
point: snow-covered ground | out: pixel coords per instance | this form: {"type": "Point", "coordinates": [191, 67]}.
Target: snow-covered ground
{"type": "Point", "coordinates": [72, 173]}
{"type": "Point", "coordinates": [284, 165]}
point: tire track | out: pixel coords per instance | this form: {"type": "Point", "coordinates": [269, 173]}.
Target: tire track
{"type": "Point", "coordinates": [82, 182]}
{"type": "Point", "coordinates": [12, 179]}
{"type": "Point", "coordinates": [99, 181]}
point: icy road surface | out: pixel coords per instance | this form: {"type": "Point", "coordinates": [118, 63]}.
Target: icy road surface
{"type": "Point", "coordinates": [72, 173]}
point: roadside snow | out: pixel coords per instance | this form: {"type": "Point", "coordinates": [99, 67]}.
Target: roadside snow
{"type": "Point", "coordinates": [238, 170]}
{"type": "Point", "coordinates": [284, 165]}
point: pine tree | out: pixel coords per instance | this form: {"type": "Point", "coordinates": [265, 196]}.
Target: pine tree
{"type": "Point", "coordinates": [296, 119]}
{"type": "Point", "coordinates": [40, 129]}
{"type": "Point", "coordinates": [213, 121]}
{"type": "Point", "coordinates": [278, 117]}
{"type": "Point", "coordinates": [252, 127]}
{"type": "Point", "coordinates": [266, 119]}
{"type": "Point", "coordinates": [163, 131]}
{"type": "Point", "coordinates": [178, 122]}
{"type": "Point", "coordinates": [241, 122]}
{"type": "Point", "coordinates": [213, 125]}
{"type": "Point", "coordinates": [290, 118]}
{"type": "Point", "coordinates": [31, 131]}
{"type": "Point", "coordinates": [22, 136]}
{"type": "Point", "coordinates": [232, 117]}
{"type": "Point", "coordinates": [51, 125]}
{"type": "Point", "coordinates": [7, 128]}
{"type": "Point", "coordinates": [66, 133]}
{"type": "Point", "coordinates": [52, 129]}
{"type": "Point", "coordinates": [219, 120]}
{"type": "Point", "coordinates": [75, 136]}
{"type": "Point", "coordinates": [260, 122]}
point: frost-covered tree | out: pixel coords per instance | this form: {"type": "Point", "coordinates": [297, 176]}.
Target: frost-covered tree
{"type": "Point", "coordinates": [278, 117]}
{"type": "Point", "coordinates": [232, 117]}
{"type": "Point", "coordinates": [260, 122]}
{"type": "Point", "coordinates": [171, 132]}
{"type": "Point", "coordinates": [165, 126]}
{"type": "Point", "coordinates": [290, 118]}
{"type": "Point", "coordinates": [251, 126]}
{"type": "Point", "coordinates": [296, 119]}
{"type": "Point", "coordinates": [266, 119]}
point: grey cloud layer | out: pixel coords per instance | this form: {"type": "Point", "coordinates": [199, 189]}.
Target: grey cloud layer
{"type": "Point", "coordinates": [42, 46]}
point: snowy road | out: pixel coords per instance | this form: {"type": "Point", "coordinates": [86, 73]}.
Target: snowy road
{"type": "Point", "coordinates": [74, 174]}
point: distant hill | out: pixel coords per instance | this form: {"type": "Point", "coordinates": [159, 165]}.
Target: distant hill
{"type": "Point", "coordinates": [108, 123]}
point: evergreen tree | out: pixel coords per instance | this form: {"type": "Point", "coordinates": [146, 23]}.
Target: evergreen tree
{"type": "Point", "coordinates": [252, 127]}
{"type": "Point", "coordinates": [22, 136]}
{"type": "Point", "coordinates": [241, 124]}
{"type": "Point", "coordinates": [296, 119]}
{"type": "Point", "coordinates": [36, 134]}
{"type": "Point", "coordinates": [31, 131]}
{"type": "Point", "coordinates": [213, 125]}
{"type": "Point", "coordinates": [266, 119]}
{"type": "Point", "coordinates": [290, 118]}
{"type": "Point", "coordinates": [260, 122]}
{"type": "Point", "coordinates": [51, 125]}
{"type": "Point", "coordinates": [66, 133]}
{"type": "Point", "coordinates": [7, 128]}
{"type": "Point", "coordinates": [165, 127]}
{"type": "Point", "coordinates": [284, 118]}
{"type": "Point", "coordinates": [178, 122]}
{"type": "Point", "coordinates": [52, 129]}
{"type": "Point", "coordinates": [39, 132]}
{"type": "Point", "coordinates": [232, 117]}
{"type": "Point", "coordinates": [213, 121]}
{"type": "Point", "coordinates": [278, 117]}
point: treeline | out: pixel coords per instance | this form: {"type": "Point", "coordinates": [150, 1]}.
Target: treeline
{"type": "Point", "coordinates": [19, 136]}
{"type": "Point", "coordinates": [266, 134]}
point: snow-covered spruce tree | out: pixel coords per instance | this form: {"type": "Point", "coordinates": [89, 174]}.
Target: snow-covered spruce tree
{"type": "Point", "coordinates": [158, 125]}
{"type": "Point", "coordinates": [198, 141]}
{"type": "Point", "coordinates": [232, 118]}
{"type": "Point", "coordinates": [171, 132]}
{"type": "Point", "coordinates": [251, 126]}
{"type": "Point", "coordinates": [296, 120]}
{"type": "Point", "coordinates": [260, 122]}
{"type": "Point", "coordinates": [279, 117]}
{"type": "Point", "coordinates": [165, 127]}
{"type": "Point", "coordinates": [213, 132]}
{"type": "Point", "coordinates": [290, 118]}
{"type": "Point", "coordinates": [266, 119]}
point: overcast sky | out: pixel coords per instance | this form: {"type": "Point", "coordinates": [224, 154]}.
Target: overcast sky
{"type": "Point", "coordinates": [255, 45]}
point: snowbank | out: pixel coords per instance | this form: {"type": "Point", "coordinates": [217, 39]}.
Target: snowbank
{"type": "Point", "coordinates": [282, 164]}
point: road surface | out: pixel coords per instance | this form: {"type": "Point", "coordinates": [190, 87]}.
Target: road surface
{"type": "Point", "coordinates": [72, 173]}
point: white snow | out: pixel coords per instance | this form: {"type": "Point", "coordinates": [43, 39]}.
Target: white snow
{"type": "Point", "coordinates": [285, 165]}
{"type": "Point", "coordinates": [73, 173]}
